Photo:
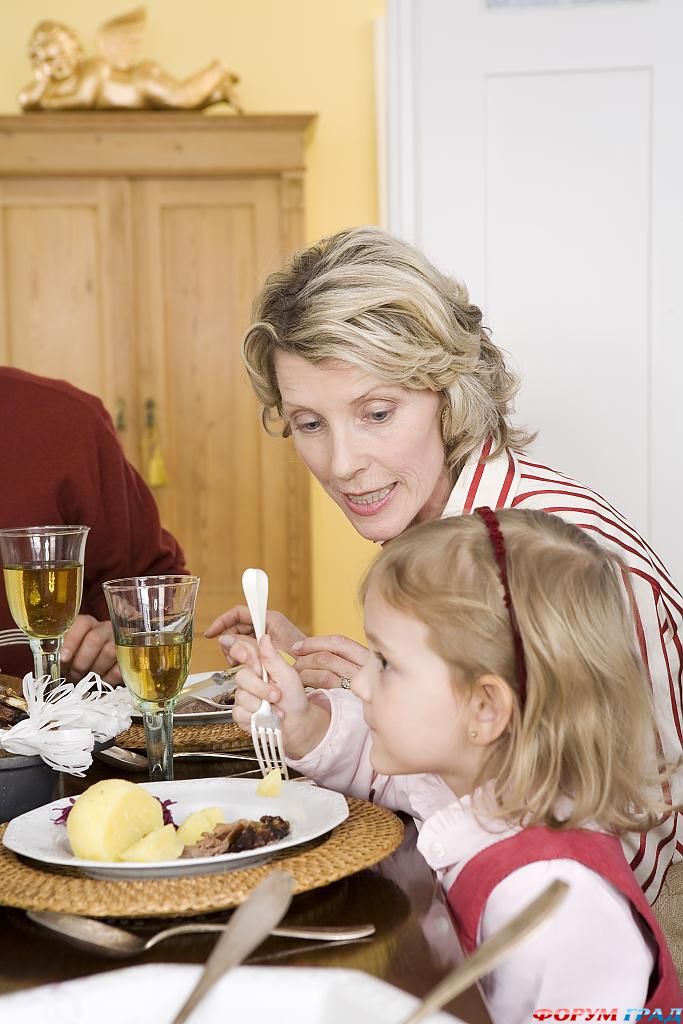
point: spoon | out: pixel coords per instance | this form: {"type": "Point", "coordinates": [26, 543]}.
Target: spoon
{"type": "Point", "coordinates": [136, 762]}
{"type": "Point", "coordinates": [87, 933]}
{"type": "Point", "coordinates": [244, 932]}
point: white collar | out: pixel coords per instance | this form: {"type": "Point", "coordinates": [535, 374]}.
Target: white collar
{"type": "Point", "coordinates": [493, 482]}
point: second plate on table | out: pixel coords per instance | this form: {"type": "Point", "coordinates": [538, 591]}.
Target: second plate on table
{"type": "Point", "coordinates": [212, 689]}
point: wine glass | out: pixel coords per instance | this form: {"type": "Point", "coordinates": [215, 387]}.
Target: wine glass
{"type": "Point", "coordinates": [43, 570]}
{"type": "Point", "coordinates": [153, 618]}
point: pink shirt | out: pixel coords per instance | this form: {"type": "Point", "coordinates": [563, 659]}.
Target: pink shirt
{"type": "Point", "coordinates": [565, 963]}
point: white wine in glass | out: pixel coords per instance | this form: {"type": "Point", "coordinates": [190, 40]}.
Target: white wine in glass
{"type": "Point", "coordinates": [153, 620]}
{"type": "Point", "coordinates": [154, 666]}
{"type": "Point", "coordinates": [44, 600]}
{"type": "Point", "coordinates": [43, 573]}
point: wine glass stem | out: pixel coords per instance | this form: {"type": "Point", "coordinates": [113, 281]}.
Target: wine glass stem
{"type": "Point", "coordinates": [159, 739]}
{"type": "Point", "coordinates": [46, 654]}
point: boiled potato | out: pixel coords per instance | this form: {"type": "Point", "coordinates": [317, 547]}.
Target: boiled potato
{"type": "Point", "coordinates": [195, 825]}
{"type": "Point", "coordinates": [270, 784]}
{"type": "Point", "coordinates": [161, 844]}
{"type": "Point", "coordinates": [111, 816]}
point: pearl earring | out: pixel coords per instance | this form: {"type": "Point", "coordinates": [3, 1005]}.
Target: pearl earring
{"type": "Point", "coordinates": [473, 734]}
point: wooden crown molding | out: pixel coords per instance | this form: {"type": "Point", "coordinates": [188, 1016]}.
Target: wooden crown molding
{"type": "Point", "coordinates": [139, 143]}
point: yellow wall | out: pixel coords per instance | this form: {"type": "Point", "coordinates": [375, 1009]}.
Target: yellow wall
{"type": "Point", "coordinates": [292, 56]}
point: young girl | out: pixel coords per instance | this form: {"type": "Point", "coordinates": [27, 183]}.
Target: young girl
{"type": "Point", "coordinates": [504, 708]}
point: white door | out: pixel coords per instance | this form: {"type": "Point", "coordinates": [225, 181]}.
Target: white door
{"type": "Point", "coordinates": [536, 152]}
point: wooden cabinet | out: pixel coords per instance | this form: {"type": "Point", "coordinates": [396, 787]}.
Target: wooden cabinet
{"type": "Point", "coordinates": [132, 246]}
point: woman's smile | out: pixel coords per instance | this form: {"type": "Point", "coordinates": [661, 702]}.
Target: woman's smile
{"type": "Point", "coordinates": [368, 503]}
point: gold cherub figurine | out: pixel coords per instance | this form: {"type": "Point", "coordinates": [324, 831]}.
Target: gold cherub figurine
{"type": "Point", "coordinates": [65, 79]}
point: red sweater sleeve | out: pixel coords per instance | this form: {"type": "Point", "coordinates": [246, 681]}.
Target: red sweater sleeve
{"type": "Point", "coordinates": [63, 463]}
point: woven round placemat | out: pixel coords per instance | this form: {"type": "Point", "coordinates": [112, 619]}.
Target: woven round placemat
{"type": "Point", "coordinates": [367, 836]}
{"type": "Point", "coordinates": [221, 736]}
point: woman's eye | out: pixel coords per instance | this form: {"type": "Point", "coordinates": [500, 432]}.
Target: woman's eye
{"type": "Point", "coordinates": [307, 426]}
{"type": "Point", "coordinates": [379, 415]}
{"type": "Point", "coordinates": [383, 663]}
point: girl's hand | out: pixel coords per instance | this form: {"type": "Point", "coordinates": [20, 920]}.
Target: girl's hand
{"type": "Point", "coordinates": [236, 623]}
{"type": "Point", "coordinates": [303, 724]}
{"type": "Point", "coordinates": [323, 661]}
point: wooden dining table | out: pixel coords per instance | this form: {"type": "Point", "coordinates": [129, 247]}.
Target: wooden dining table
{"type": "Point", "coordinates": [414, 945]}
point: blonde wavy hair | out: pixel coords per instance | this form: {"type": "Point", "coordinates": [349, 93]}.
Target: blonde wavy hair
{"type": "Point", "coordinates": [364, 297]}
{"type": "Point", "coordinates": [587, 728]}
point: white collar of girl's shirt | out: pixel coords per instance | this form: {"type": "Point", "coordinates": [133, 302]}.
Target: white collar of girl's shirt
{"type": "Point", "coordinates": [453, 835]}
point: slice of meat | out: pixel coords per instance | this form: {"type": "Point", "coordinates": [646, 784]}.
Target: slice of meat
{"type": "Point", "coordinates": [12, 707]}
{"type": "Point", "coordinates": [268, 829]}
{"type": "Point", "coordinates": [234, 836]}
{"type": "Point", "coordinates": [194, 707]}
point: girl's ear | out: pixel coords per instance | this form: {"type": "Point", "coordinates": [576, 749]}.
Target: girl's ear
{"type": "Point", "coordinates": [490, 709]}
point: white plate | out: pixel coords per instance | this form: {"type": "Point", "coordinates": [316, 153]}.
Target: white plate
{"type": "Point", "coordinates": [310, 810]}
{"type": "Point", "coordinates": [196, 717]}
{"type": "Point", "coordinates": [153, 993]}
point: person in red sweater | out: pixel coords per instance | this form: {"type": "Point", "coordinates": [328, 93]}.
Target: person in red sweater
{"type": "Point", "coordinates": [62, 463]}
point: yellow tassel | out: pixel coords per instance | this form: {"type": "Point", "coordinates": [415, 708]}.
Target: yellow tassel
{"type": "Point", "coordinates": [152, 456]}
{"type": "Point", "coordinates": [157, 475]}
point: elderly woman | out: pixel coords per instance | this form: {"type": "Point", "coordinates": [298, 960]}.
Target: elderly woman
{"type": "Point", "coordinates": [399, 403]}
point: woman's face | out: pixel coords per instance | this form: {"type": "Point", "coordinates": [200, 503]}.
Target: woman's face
{"type": "Point", "coordinates": [375, 447]}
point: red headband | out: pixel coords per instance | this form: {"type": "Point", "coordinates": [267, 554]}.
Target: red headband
{"type": "Point", "coordinates": [498, 545]}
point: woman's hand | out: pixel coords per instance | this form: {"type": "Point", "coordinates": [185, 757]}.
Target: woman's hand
{"type": "Point", "coordinates": [303, 724]}
{"type": "Point", "coordinates": [89, 647]}
{"type": "Point", "coordinates": [236, 623]}
{"type": "Point", "coordinates": [323, 661]}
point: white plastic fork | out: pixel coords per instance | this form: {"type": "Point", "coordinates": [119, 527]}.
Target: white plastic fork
{"type": "Point", "coordinates": [266, 733]}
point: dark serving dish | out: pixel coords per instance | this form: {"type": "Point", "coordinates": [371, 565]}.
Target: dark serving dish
{"type": "Point", "coordinates": [25, 783]}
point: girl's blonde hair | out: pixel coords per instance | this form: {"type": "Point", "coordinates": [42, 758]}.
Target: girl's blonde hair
{"type": "Point", "coordinates": [586, 730]}
{"type": "Point", "coordinates": [366, 298]}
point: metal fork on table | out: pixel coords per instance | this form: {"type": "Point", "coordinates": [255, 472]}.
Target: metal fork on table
{"type": "Point", "coordinates": [9, 637]}
{"type": "Point", "coordinates": [266, 733]}
{"type": "Point", "coordinates": [12, 636]}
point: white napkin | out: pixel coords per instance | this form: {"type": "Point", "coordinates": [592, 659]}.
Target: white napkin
{"type": "Point", "coordinates": [153, 993]}
{"type": "Point", "coordinates": [66, 720]}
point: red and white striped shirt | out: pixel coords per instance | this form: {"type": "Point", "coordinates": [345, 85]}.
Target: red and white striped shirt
{"type": "Point", "coordinates": [511, 480]}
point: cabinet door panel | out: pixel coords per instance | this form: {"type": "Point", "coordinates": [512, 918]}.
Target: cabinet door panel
{"type": "Point", "coordinates": [235, 497]}
{"type": "Point", "coordinates": [65, 286]}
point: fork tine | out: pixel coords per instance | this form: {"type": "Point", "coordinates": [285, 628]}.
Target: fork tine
{"type": "Point", "coordinates": [256, 740]}
{"type": "Point", "coordinates": [272, 749]}
{"type": "Point", "coordinates": [266, 749]}
{"type": "Point", "coordinates": [281, 753]}
{"type": "Point", "coordinates": [259, 756]}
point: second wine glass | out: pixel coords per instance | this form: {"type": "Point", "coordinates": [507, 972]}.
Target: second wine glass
{"type": "Point", "coordinates": [153, 620]}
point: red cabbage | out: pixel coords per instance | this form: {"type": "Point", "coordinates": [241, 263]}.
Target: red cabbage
{"type": "Point", "coordinates": [64, 812]}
